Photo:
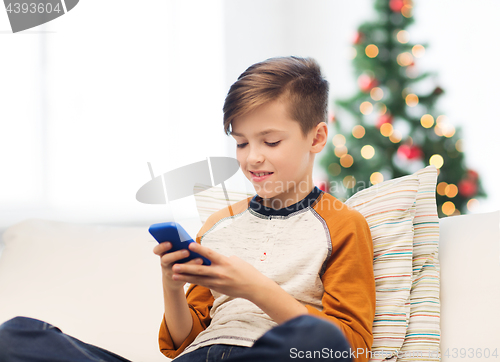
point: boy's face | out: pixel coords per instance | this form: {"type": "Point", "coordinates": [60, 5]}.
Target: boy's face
{"type": "Point", "coordinates": [274, 154]}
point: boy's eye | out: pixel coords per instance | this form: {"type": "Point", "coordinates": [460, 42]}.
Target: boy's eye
{"type": "Point", "coordinates": [273, 144]}
{"type": "Point", "coordinates": [241, 145]}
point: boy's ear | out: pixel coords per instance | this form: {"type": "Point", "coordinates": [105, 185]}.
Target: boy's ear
{"type": "Point", "coordinates": [320, 137]}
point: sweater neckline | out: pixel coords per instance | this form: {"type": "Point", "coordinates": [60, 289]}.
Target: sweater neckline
{"type": "Point", "coordinates": [308, 201]}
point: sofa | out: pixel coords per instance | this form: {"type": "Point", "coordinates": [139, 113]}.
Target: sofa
{"type": "Point", "coordinates": [102, 284]}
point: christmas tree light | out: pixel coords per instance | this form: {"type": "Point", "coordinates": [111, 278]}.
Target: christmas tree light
{"type": "Point", "coordinates": [390, 127]}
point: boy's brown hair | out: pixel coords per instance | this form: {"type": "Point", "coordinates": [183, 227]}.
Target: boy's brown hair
{"type": "Point", "coordinates": [298, 81]}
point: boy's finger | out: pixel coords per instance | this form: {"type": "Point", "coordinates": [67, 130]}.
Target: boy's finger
{"type": "Point", "coordinates": [192, 269]}
{"type": "Point", "coordinates": [193, 279]}
{"type": "Point", "coordinates": [170, 258]}
{"type": "Point", "coordinates": [162, 248]}
{"type": "Point", "coordinates": [206, 252]}
{"type": "Point", "coordinates": [196, 261]}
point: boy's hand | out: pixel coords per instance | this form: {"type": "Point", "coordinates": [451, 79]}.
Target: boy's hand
{"type": "Point", "coordinates": [168, 260]}
{"type": "Point", "coordinates": [227, 275]}
{"type": "Point", "coordinates": [237, 278]}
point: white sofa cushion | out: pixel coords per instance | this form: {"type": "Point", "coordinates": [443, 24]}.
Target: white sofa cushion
{"type": "Point", "coordinates": [99, 284]}
{"type": "Point", "coordinates": [470, 287]}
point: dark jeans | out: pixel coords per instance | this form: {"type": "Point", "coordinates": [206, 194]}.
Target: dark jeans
{"type": "Point", "coordinates": [303, 338]}
{"type": "Point", "coordinates": [25, 339]}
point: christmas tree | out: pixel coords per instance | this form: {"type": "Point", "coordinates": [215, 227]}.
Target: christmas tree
{"type": "Point", "coordinates": [390, 127]}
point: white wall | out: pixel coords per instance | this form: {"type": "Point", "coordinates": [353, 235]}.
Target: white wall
{"type": "Point", "coordinates": [89, 98]}
{"type": "Point", "coordinates": [463, 38]}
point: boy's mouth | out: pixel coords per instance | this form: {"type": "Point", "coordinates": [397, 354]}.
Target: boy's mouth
{"type": "Point", "coordinates": [260, 175]}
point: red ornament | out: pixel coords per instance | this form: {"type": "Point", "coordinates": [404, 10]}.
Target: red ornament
{"type": "Point", "coordinates": [408, 152]}
{"type": "Point", "coordinates": [385, 118]}
{"type": "Point", "coordinates": [472, 175]}
{"type": "Point", "coordinates": [331, 117]}
{"type": "Point", "coordinates": [323, 186]}
{"type": "Point", "coordinates": [467, 188]}
{"type": "Point", "coordinates": [366, 83]}
{"type": "Point", "coordinates": [437, 91]}
{"type": "Point", "coordinates": [396, 5]}
{"type": "Point", "coordinates": [358, 38]}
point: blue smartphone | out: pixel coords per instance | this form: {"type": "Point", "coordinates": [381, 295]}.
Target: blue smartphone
{"type": "Point", "coordinates": [175, 234]}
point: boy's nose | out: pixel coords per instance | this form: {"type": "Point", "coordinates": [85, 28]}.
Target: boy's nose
{"type": "Point", "coordinates": [255, 156]}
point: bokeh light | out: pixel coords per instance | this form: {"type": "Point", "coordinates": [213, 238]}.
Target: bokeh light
{"type": "Point", "coordinates": [405, 59]}
{"type": "Point", "coordinates": [441, 188]}
{"type": "Point", "coordinates": [376, 178]}
{"type": "Point", "coordinates": [444, 127]}
{"type": "Point", "coordinates": [407, 11]}
{"type": "Point", "coordinates": [386, 130]}
{"type": "Point", "coordinates": [436, 160]}
{"type": "Point", "coordinates": [353, 53]}
{"type": "Point", "coordinates": [366, 108]}
{"type": "Point", "coordinates": [396, 136]}
{"type": "Point", "coordinates": [451, 191]}
{"type": "Point", "coordinates": [367, 152]}
{"type": "Point", "coordinates": [418, 51]}
{"type": "Point", "coordinates": [441, 119]}
{"type": "Point", "coordinates": [334, 169]}
{"type": "Point", "coordinates": [338, 140]}
{"type": "Point", "coordinates": [438, 130]}
{"type": "Point", "coordinates": [346, 161]}
{"type": "Point", "coordinates": [427, 121]}
{"type": "Point", "coordinates": [472, 204]}
{"type": "Point", "coordinates": [349, 181]}
{"type": "Point", "coordinates": [403, 36]}
{"type": "Point", "coordinates": [411, 100]}
{"type": "Point", "coordinates": [340, 151]}
{"type": "Point", "coordinates": [377, 93]}
{"type": "Point", "coordinates": [358, 131]}
{"type": "Point", "coordinates": [449, 131]}
{"type": "Point", "coordinates": [371, 51]}
{"type": "Point", "coordinates": [459, 145]}
{"type": "Point", "coordinates": [448, 208]}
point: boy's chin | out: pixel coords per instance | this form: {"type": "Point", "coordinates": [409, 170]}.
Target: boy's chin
{"type": "Point", "coordinates": [266, 194]}
{"type": "Point", "coordinates": [271, 199]}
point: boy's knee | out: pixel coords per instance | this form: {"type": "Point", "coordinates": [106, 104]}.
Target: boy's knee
{"type": "Point", "coordinates": [21, 324]}
{"type": "Point", "coordinates": [317, 327]}
{"type": "Point", "coordinates": [319, 339]}
{"type": "Point", "coordinates": [308, 333]}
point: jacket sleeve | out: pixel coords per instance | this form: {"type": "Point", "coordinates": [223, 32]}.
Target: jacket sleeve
{"type": "Point", "coordinates": [200, 301]}
{"type": "Point", "coordinates": [349, 283]}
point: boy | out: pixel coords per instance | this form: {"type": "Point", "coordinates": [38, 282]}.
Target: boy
{"type": "Point", "coordinates": [282, 258]}
{"type": "Point", "coordinates": [301, 253]}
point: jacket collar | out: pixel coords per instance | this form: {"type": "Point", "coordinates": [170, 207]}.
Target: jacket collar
{"type": "Point", "coordinates": [308, 201]}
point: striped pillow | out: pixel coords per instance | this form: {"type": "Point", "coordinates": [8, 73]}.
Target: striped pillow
{"type": "Point", "coordinates": [389, 209]}
{"type": "Point", "coordinates": [423, 334]}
